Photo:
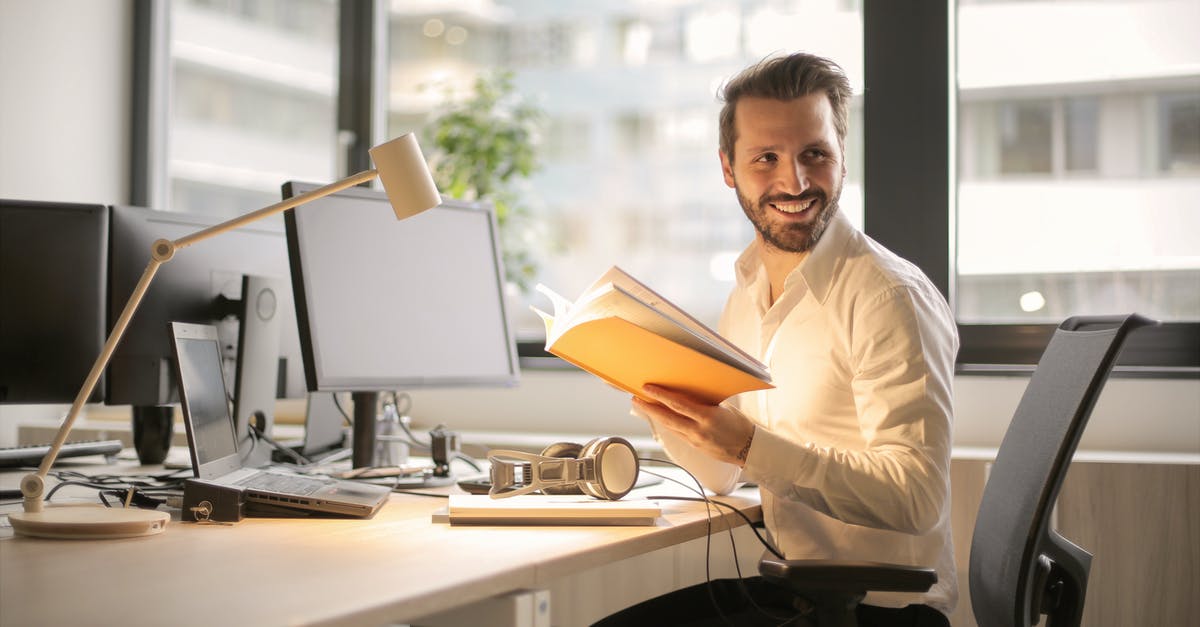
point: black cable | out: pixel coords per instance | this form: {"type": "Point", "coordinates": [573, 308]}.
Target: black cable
{"type": "Point", "coordinates": [256, 434]}
{"type": "Point", "coordinates": [337, 402]}
{"type": "Point", "coordinates": [468, 460]}
{"type": "Point", "coordinates": [699, 489]}
{"type": "Point", "coordinates": [419, 493]}
{"type": "Point", "coordinates": [732, 508]}
{"type": "Point", "coordinates": [708, 546]}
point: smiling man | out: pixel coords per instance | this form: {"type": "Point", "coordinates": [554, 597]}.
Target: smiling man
{"type": "Point", "coordinates": [851, 449]}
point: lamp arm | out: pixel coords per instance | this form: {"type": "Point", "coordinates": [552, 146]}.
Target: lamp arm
{"type": "Point", "coordinates": [279, 207]}
{"type": "Point", "coordinates": [33, 485]}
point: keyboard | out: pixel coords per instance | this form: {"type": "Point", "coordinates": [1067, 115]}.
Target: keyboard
{"type": "Point", "coordinates": [283, 484]}
{"type": "Point", "coordinates": [32, 454]}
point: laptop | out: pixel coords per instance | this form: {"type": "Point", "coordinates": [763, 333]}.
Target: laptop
{"type": "Point", "coordinates": [214, 448]}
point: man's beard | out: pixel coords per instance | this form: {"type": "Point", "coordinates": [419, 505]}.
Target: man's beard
{"type": "Point", "coordinates": [791, 237]}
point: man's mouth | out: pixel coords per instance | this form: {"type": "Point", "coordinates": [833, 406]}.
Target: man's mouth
{"type": "Point", "coordinates": [794, 206]}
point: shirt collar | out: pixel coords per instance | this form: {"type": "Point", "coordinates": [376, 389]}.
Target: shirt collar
{"type": "Point", "coordinates": [817, 270]}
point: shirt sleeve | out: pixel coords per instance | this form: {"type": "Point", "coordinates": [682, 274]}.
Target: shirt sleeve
{"type": "Point", "coordinates": [901, 352]}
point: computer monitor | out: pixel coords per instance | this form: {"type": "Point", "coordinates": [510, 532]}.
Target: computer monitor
{"type": "Point", "coordinates": [204, 284]}
{"type": "Point", "coordinates": [53, 267]}
{"type": "Point", "coordinates": [385, 304]}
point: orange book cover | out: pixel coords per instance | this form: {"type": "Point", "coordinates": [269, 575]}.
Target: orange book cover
{"type": "Point", "coordinates": [625, 333]}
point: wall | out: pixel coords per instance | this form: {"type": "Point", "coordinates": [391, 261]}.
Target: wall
{"type": "Point", "coordinates": [64, 118]}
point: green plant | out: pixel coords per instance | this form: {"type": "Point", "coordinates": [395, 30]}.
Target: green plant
{"type": "Point", "coordinates": [483, 147]}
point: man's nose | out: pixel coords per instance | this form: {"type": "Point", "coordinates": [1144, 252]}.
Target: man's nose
{"type": "Point", "coordinates": [793, 180]}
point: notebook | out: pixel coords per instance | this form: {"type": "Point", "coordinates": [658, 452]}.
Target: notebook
{"type": "Point", "coordinates": [213, 443]}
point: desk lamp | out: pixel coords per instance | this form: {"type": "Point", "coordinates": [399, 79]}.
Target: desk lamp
{"type": "Point", "coordinates": [410, 190]}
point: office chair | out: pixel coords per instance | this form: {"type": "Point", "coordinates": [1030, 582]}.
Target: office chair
{"type": "Point", "coordinates": [1019, 567]}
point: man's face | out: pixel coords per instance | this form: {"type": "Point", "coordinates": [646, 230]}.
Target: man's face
{"type": "Point", "coordinates": [787, 168]}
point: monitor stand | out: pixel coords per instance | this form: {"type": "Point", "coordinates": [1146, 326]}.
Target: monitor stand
{"type": "Point", "coordinates": [257, 380]}
{"type": "Point", "coordinates": [363, 450]}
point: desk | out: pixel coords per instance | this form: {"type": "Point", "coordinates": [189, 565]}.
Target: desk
{"type": "Point", "coordinates": [395, 567]}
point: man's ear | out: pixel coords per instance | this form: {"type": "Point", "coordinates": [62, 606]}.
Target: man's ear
{"type": "Point", "coordinates": [726, 168]}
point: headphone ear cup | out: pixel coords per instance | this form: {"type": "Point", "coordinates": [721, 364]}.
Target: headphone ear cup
{"type": "Point", "coordinates": [563, 450]}
{"type": "Point", "coordinates": [616, 468]}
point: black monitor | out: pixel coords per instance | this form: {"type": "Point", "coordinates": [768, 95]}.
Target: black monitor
{"type": "Point", "coordinates": [385, 304]}
{"type": "Point", "coordinates": [204, 283]}
{"type": "Point", "coordinates": [53, 265]}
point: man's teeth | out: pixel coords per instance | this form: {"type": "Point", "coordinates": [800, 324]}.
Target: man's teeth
{"type": "Point", "coordinates": [793, 207]}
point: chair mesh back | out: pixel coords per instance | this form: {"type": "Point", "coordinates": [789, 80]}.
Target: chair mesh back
{"type": "Point", "coordinates": [1012, 529]}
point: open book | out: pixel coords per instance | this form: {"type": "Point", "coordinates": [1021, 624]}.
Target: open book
{"type": "Point", "coordinates": [625, 333]}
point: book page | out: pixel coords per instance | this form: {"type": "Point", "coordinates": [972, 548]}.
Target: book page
{"type": "Point", "coordinates": [612, 301]}
{"type": "Point", "coordinates": [618, 277]}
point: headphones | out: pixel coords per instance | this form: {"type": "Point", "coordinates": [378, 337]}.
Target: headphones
{"type": "Point", "coordinates": [604, 468]}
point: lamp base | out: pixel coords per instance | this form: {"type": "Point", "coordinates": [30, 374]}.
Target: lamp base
{"type": "Point", "coordinates": [89, 522]}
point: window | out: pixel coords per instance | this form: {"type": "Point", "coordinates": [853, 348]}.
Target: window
{"type": "Point", "coordinates": [629, 172]}
{"type": "Point", "coordinates": [1073, 180]}
{"type": "Point", "coordinates": [1077, 162]}
{"type": "Point", "coordinates": [1179, 134]}
{"type": "Point", "coordinates": [252, 101]}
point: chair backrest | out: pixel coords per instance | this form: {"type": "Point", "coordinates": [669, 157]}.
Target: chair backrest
{"type": "Point", "coordinates": [1019, 567]}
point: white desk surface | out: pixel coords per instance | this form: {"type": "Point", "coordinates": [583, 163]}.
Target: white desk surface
{"type": "Point", "coordinates": [394, 567]}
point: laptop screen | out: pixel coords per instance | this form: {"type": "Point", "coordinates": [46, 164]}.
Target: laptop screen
{"type": "Point", "coordinates": [205, 400]}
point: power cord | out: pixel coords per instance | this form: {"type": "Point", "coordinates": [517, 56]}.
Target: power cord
{"type": "Point", "coordinates": [257, 432]}
{"type": "Point", "coordinates": [708, 503]}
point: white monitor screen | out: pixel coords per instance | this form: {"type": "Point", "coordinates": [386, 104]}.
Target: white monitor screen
{"type": "Point", "coordinates": [386, 304]}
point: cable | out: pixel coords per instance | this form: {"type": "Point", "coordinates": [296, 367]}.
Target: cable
{"type": "Point", "coordinates": [337, 402]}
{"type": "Point", "coordinates": [708, 540]}
{"type": "Point", "coordinates": [256, 433]}
{"type": "Point", "coordinates": [468, 460]}
{"type": "Point", "coordinates": [699, 489]}
{"type": "Point", "coordinates": [419, 493]}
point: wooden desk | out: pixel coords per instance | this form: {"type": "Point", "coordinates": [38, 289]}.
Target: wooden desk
{"type": "Point", "coordinates": [395, 567]}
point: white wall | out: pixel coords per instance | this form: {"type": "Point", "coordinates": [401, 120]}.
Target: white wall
{"type": "Point", "coordinates": [64, 114]}
{"type": "Point", "coordinates": [64, 126]}
{"type": "Point", "coordinates": [64, 117]}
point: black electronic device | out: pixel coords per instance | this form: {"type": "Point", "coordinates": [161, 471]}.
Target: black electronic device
{"type": "Point", "coordinates": [202, 285]}
{"type": "Point", "coordinates": [383, 304]}
{"type": "Point", "coordinates": [53, 268]}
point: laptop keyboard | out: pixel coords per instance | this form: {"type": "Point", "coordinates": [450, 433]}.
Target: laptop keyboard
{"type": "Point", "coordinates": [284, 484]}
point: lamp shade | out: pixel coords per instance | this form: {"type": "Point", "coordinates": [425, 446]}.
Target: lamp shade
{"type": "Point", "coordinates": [405, 176]}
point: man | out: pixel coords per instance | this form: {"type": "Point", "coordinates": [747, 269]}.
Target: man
{"type": "Point", "coordinates": [851, 449]}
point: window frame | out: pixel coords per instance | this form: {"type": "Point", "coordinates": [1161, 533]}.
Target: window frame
{"type": "Point", "coordinates": [909, 117]}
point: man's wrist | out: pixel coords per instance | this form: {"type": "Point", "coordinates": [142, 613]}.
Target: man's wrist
{"type": "Point", "coordinates": [745, 451]}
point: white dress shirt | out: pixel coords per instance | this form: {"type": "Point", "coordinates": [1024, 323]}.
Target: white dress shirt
{"type": "Point", "coordinates": [852, 447]}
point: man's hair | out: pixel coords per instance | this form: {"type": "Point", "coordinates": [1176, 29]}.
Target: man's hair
{"type": "Point", "coordinates": [786, 78]}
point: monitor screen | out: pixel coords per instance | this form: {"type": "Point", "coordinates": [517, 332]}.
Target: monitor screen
{"type": "Point", "coordinates": [188, 288]}
{"type": "Point", "coordinates": [386, 304]}
{"type": "Point", "coordinates": [53, 263]}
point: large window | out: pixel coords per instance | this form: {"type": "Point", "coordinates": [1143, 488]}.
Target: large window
{"type": "Point", "coordinates": [1078, 186]}
{"type": "Point", "coordinates": [629, 173]}
{"type": "Point", "coordinates": [1031, 182]}
{"type": "Point", "coordinates": [251, 101]}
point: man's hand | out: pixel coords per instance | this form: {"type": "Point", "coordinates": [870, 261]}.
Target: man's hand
{"type": "Point", "coordinates": [720, 432]}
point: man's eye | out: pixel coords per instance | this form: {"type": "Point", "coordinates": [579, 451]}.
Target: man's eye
{"type": "Point", "coordinates": [766, 158]}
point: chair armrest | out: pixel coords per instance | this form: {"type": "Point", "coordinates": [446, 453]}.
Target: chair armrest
{"type": "Point", "coordinates": [840, 576]}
